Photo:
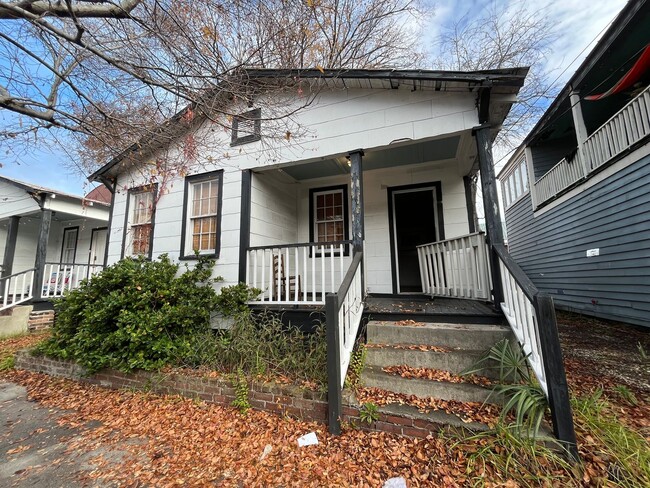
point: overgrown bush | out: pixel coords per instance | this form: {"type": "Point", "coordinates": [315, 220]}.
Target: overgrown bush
{"type": "Point", "coordinates": [136, 314]}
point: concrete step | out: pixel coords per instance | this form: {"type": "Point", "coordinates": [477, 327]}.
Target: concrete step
{"type": "Point", "coordinates": [455, 361]}
{"type": "Point", "coordinates": [437, 417]}
{"type": "Point", "coordinates": [473, 337]}
{"type": "Point", "coordinates": [462, 392]}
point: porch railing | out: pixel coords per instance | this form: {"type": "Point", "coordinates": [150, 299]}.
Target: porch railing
{"type": "Point", "coordinates": [456, 267]}
{"type": "Point", "coordinates": [531, 315]}
{"type": "Point", "coordinates": [61, 277]}
{"type": "Point", "coordinates": [627, 127]}
{"type": "Point", "coordinates": [16, 288]}
{"type": "Point", "coordinates": [291, 274]}
{"type": "Point", "coordinates": [343, 313]}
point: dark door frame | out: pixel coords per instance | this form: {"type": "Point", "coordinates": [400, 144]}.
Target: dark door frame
{"type": "Point", "coordinates": [76, 243]}
{"type": "Point", "coordinates": [391, 220]}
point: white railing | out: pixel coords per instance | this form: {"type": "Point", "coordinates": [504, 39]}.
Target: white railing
{"type": "Point", "coordinates": [456, 267]}
{"type": "Point", "coordinates": [561, 176]}
{"type": "Point", "coordinates": [349, 315]}
{"type": "Point", "coordinates": [16, 288]}
{"type": "Point", "coordinates": [61, 277]}
{"type": "Point", "coordinates": [294, 274]}
{"type": "Point", "coordinates": [627, 127]}
{"type": "Point", "coordinates": [521, 316]}
{"type": "Point", "coordinates": [343, 314]}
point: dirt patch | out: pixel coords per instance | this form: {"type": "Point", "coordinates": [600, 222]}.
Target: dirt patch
{"type": "Point", "coordinates": [611, 353]}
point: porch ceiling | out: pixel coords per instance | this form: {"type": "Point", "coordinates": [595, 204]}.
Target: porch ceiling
{"type": "Point", "coordinates": [392, 156]}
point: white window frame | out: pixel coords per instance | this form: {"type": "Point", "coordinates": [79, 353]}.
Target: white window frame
{"type": "Point", "coordinates": [313, 218]}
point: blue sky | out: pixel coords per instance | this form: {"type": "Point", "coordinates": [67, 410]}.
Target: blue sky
{"type": "Point", "coordinates": [578, 24]}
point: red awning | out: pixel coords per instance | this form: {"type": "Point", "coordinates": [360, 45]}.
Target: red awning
{"type": "Point", "coordinates": [630, 78]}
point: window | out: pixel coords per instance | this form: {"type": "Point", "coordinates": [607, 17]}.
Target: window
{"type": "Point", "coordinates": [139, 223]}
{"type": "Point", "coordinates": [329, 221]}
{"type": "Point", "coordinates": [515, 183]}
{"type": "Point", "coordinates": [202, 215]}
{"type": "Point", "coordinates": [246, 127]}
{"type": "Point", "coordinates": [69, 246]}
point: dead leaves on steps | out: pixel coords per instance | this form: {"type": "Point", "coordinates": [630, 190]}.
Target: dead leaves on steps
{"type": "Point", "coordinates": [439, 375]}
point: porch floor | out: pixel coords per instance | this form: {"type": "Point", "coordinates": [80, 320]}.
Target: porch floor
{"type": "Point", "coordinates": [426, 308]}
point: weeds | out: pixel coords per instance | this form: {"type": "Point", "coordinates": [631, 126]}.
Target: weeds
{"type": "Point", "coordinates": [625, 451]}
{"type": "Point", "coordinates": [369, 412]}
{"type": "Point", "coordinates": [502, 454]}
{"type": "Point", "coordinates": [357, 363]}
{"type": "Point", "coordinates": [262, 345]}
{"type": "Point", "coordinates": [240, 384]}
{"type": "Point", "coordinates": [626, 395]}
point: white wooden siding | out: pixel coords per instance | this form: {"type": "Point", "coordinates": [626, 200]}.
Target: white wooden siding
{"type": "Point", "coordinates": [15, 201]}
{"type": "Point", "coordinates": [338, 121]}
{"type": "Point", "coordinates": [274, 218]}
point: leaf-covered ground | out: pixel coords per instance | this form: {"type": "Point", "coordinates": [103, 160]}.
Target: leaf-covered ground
{"type": "Point", "coordinates": [174, 441]}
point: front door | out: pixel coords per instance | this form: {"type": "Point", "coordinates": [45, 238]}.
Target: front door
{"type": "Point", "coordinates": [415, 212]}
{"type": "Point", "coordinates": [97, 248]}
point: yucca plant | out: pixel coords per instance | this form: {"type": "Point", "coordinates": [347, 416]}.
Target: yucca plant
{"type": "Point", "coordinates": [523, 396]}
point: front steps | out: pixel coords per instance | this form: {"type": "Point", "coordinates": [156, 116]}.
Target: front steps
{"type": "Point", "coordinates": [450, 347]}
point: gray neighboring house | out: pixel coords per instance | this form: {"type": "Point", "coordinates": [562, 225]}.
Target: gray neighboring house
{"type": "Point", "coordinates": [577, 191]}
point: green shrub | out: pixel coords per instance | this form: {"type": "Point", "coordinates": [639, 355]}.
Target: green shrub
{"type": "Point", "coordinates": [136, 314]}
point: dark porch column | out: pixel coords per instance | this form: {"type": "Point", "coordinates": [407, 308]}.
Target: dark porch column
{"type": "Point", "coordinates": [10, 246]}
{"type": "Point", "coordinates": [41, 251]}
{"type": "Point", "coordinates": [244, 223]}
{"type": "Point", "coordinates": [356, 194]}
{"type": "Point", "coordinates": [493, 223]}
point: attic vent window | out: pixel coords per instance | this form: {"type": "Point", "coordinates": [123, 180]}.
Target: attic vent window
{"type": "Point", "coordinates": [246, 127]}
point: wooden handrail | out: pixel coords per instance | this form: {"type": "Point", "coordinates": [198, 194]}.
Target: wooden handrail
{"type": "Point", "coordinates": [335, 338]}
{"type": "Point", "coordinates": [549, 351]}
{"type": "Point", "coordinates": [16, 274]}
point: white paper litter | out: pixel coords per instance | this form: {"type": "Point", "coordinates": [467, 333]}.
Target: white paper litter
{"type": "Point", "coordinates": [395, 483]}
{"type": "Point", "coordinates": [307, 440]}
{"type": "Point", "coordinates": [266, 452]}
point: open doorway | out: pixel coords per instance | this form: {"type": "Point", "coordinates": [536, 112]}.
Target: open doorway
{"type": "Point", "coordinates": [415, 215]}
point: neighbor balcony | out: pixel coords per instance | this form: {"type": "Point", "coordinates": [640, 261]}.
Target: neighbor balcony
{"type": "Point", "coordinates": [622, 131]}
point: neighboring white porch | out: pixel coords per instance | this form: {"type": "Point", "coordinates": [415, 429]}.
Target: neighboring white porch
{"type": "Point", "coordinates": [49, 242]}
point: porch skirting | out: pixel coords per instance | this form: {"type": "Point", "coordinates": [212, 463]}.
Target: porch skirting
{"type": "Point", "coordinates": [284, 400]}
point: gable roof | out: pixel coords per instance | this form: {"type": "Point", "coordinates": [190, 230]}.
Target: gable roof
{"type": "Point", "coordinates": [506, 81]}
{"type": "Point", "coordinates": [37, 189]}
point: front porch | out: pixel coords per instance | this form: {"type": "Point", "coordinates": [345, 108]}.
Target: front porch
{"type": "Point", "coordinates": [307, 219]}
{"type": "Point", "coordinates": [47, 253]}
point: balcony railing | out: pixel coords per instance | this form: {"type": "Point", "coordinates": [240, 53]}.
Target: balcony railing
{"type": "Point", "coordinates": [627, 127]}
{"type": "Point", "coordinates": [297, 274]}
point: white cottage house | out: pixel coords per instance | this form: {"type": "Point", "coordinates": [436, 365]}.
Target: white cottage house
{"type": "Point", "coordinates": [363, 193]}
{"type": "Point", "coordinates": [49, 242]}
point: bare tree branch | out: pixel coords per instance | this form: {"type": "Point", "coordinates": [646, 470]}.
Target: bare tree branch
{"type": "Point", "coordinates": [57, 8]}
